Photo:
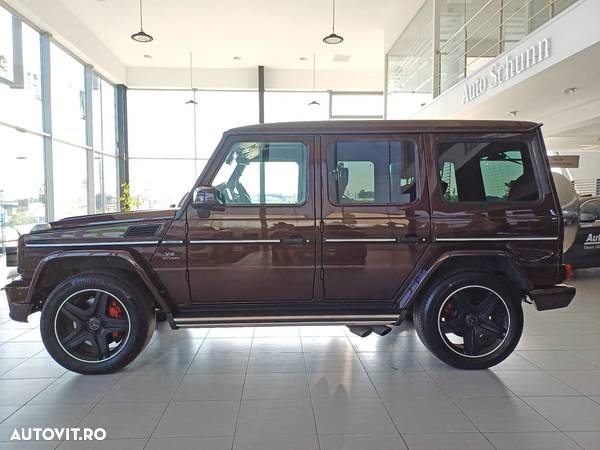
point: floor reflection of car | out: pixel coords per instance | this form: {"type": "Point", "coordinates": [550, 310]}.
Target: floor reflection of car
{"type": "Point", "coordinates": [585, 252]}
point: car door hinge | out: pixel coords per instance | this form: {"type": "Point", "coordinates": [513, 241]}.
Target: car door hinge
{"type": "Point", "coordinates": [322, 273]}
{"type": "Point", "coordinates": [187, 228]}
{"type": "Point", "coordinates": [187, 275]}
{"type": "Point", "coordinates": [322, 226]}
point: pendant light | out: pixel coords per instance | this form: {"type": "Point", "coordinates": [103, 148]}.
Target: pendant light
{"type": "Point", "coordinates": [333, 38]}
{"type": "Point", "coordinates": [141, 36]}
{"type": "Point", "coordinates": [193, 100]}
{"type": "Point", "coordinates": [314, 102]}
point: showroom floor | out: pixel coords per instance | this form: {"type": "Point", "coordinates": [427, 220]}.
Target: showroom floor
{"type": "Point", "coordinates": [317, 387]}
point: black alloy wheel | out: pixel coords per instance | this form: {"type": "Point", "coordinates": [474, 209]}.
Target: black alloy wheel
{"type": "Point", "coordinates": [473, 321]}
{"type": "Point", "coordinates": [92, 325]}
{"type": "Point", "coordinates": [470, 319]}
{"type": "Point", "coordinates": [97, 322]}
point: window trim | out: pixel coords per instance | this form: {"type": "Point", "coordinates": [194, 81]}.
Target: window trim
{"type": "Point", "coordinates": [374, 138]}
{"type": "Point", "coordinates": [262, 205]}
{"type": "Point", "coordinates": [525, 139]}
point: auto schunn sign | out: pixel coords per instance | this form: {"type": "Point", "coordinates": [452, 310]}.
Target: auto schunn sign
{"type": "Point", "coordinates": [507, 68]}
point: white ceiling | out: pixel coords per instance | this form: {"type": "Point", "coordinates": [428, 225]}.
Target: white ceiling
{"type": "Point", "coordinates": [274, 33]}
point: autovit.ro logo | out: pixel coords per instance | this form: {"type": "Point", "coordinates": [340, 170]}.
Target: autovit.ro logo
{"type": "Point", "coordinates": [58, 434]}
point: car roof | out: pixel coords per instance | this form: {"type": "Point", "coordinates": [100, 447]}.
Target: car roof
{"type": "Point", "coordinates": [386, 126]}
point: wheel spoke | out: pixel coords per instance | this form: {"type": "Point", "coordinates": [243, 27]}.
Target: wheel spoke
{"type": "Point", "coordinates": [470, 341]}
{"type": "Point", "coordinates": [452, 325]}
{"type": "Point", "coordinates": [75, 338]}
{"type": "Point", "coordinates": [462, 302]}
{"type": "Point", "coordinates": [100, 345]}
{"type": "Point", "coordinates": [487, 306]}
{"type": "Point", "coordinates": [74, 313]}
{"type": "Point", "coordinates": [99, 304]}
{"type": "Point", "coordinates": [110, 324]}
{"type": "Point", "coordinates": [492, 329]}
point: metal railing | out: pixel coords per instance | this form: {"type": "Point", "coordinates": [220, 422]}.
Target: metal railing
{"type": "Point", "coordinates": [466, 53]}
{"type": "Point", "coordinates": [588, 186]}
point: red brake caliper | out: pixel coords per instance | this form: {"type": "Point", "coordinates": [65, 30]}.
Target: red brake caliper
{"type": "Point", "coordinates": [116, 312]}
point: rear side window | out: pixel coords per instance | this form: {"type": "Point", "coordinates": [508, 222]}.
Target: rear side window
{"type": "Point", "coordinates": [479, 171]}
{"type": "Point", "coordinates": [372, 172]}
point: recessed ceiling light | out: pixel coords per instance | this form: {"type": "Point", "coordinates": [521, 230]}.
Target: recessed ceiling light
{"type": "Point", "coordinates": [513, 114]}
{"type": "Point", "coordinates": [147, 56]}
{"type": "Point", "coordinates": [237, 58]}
{"type": "Point", "coordinates": [570, 90]}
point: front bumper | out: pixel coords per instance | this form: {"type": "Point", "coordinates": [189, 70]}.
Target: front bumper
{"type": "Point", "coordinates": [552, 297]}
{"type": "Point", "coordinates": [16, 294]}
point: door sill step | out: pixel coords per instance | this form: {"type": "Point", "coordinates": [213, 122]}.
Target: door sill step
{"type": "Point", "coordinates": [265, 321]}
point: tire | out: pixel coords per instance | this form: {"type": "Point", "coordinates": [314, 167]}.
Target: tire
{"type": "Point", "coordinates": [87, 314]}
{"type": "Point", "coordinates": [161, 316]}
{"type": "Point", "coordinates": [470, 320]}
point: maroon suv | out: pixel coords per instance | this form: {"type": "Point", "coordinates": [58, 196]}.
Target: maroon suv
{"type": "Point", "coordinates": [354, 223]}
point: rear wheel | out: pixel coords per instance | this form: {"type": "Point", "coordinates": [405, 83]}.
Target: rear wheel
{"type": "Point", "coordinates": [96, 323]}
{"type": "Point", "coordinates": [470, 320]}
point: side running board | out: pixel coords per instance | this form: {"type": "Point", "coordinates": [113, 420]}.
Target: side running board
{"type": "Point", "coordinates": [264, 321]}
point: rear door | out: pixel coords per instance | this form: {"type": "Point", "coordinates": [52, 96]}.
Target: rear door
{"type": "Point", "coordinates": [375, 214]}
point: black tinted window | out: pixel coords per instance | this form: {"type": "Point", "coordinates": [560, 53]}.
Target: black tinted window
{"type": "Point", "coordinates": [366, 172]}
{"type": "Point", "coordinates": [486, 172]}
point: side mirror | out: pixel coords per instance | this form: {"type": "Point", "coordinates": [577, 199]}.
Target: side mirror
{"type": "Point", "coordinates": [586, 218]}
{"type": "Point", "coordinates": [204, 197]}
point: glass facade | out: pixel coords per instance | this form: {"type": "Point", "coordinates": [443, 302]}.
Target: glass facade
{"type": "Point", "coordinates": [426, 61]}
{"type": "Point", "coordinates": [169, 138]}
{"type": "Point", "coordinates": [44, 164]}
{"type": "Point", "coordinates": [410, 66]}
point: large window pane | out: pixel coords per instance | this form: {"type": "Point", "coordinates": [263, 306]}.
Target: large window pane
{"type": "Point", "coordinates": [295, 106]}
{"type": "Point", "coordinates": [160, 124]}
{"type": "Point", "coordinates": [105, 183]}
{"type": "Point", "coordinates": [68, 97]}
{"type": "Point", "coordinates": [218, 111]}
{"type": "Point", "coordinates": [144, 173]}
{"type": "Point", "coordinates": [20, 80]}
{"type": "Point", "coordinates": [111, 200]}
{"type": "Point", "coordinates": [22, 187]}
{"type": "Point", "coordinates": [365, 105]}
{"type": "Point", "coordinates": [109, 140]}
{"type": "Point", "coordinates": [70, 180]}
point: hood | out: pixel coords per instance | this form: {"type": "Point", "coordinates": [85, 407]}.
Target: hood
{"type": "Point", "coordinates": [112, 218]}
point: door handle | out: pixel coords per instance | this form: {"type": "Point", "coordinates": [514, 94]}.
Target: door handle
{"type": "Point", "coordinates": [295, 240]}
{"type": "Point", "coordinates": [410, 239]}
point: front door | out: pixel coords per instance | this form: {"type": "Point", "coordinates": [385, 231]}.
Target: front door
{"type": "Point", "coordinates": [259, 243]}
{"type": "Point", "coordinates": [375, 214]}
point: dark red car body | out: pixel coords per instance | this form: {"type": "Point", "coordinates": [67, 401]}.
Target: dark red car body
{"type": "Point", "coordinates": [315, 262]}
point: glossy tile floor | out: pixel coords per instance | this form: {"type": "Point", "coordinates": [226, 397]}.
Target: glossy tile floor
{"type": "Point", "coordinates": [317, 388]}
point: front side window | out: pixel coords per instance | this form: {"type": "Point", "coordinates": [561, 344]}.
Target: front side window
{"type": "Point", "coordinates": [372, 172]}
{"type": "Point", "coordinates": [486, 172]}
{"type": "Point", "coordinates": [263, 173]}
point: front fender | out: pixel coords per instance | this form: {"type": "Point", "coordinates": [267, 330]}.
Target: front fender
{"type": "Point", "coordinates": [120, 255]}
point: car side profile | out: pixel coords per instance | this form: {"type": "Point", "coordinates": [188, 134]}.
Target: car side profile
{"type": "Point", "coordinates": [351, 223]}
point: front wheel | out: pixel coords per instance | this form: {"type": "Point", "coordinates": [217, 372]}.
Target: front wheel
{"type": "Point", "coordinates": [470, 320]}
{"type": "Point", "coordinates": [96, 323]}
